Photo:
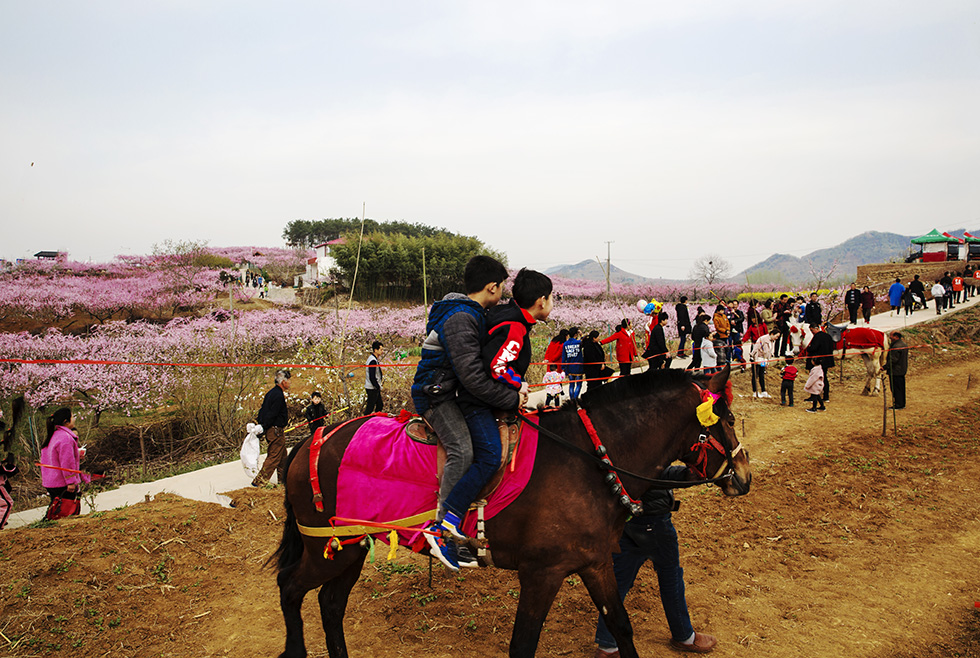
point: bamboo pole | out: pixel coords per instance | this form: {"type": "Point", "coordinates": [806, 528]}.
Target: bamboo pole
{"type": "Point", "coordinates": [884, 409]}
{"type": "Point", "coordinates": [350, 302]}
{"type": "Point", "coordinates": [425, 292]}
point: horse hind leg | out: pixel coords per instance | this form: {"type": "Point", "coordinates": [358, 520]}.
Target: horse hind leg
{"type": "Point", "coordinates": [333, 598]}
{"type": "Point", "coordinates": [311, 572]}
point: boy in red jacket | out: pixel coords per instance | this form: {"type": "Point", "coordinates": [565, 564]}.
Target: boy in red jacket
{"type": "Point", "coordinates": [789, 376]}
{"type": "Point", "coordinates": [507, 352]}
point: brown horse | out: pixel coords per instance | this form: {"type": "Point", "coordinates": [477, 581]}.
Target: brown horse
{"type": "Point", "coordinates": [565, 521]}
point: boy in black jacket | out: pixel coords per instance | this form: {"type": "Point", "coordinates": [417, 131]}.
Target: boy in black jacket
{"type": "Point", "coordinates": [316, 413]}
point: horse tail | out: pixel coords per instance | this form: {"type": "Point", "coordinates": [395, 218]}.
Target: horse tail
{"type": "Point", "coordinates": [290, 550]}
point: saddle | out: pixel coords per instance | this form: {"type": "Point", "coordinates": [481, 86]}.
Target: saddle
{"type": "Point", "coordinates": [419, 430]}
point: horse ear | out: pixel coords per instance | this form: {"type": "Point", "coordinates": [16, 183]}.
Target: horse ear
{"type": "Point", "coordinates": [718, 380]}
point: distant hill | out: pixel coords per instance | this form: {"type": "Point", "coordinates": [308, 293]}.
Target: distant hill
{"type": "Point", "coordinates": [869, 247]}
{"type": "Point", "coordinates": [590, 271]}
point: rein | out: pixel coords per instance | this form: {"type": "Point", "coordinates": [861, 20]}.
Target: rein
{"type": "Point", "coordinates": [602, 460]}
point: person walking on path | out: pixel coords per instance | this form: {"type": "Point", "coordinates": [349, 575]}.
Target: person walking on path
{"type": "Point", "coordinates": [938, 293]}
{"type": "Point", "coordinates": [651, 536]}
{"type": "Point", "coordinates": [852, 300]}
{"type": "Point", "coordinates": [372, 380]}
{"type": "Point", "coordinates": [61, 451]}
{"type": "Point", "coordinates": [625, 346]}
{"type": "Point", "coordinates": [918, 291]}
{"type": "Point", "coordinates": [867, 304]}
{"type": "Point", "coordinates": [897, 365]}
{"type": "Point", "coordinates": [947, 283]}
{"type": "Point", "coordinates": [908, 300]}
{"type": "Point", "coordinates": [273, 417]}
{"type": "Point", "coordinates": [895, 293]}
{"type": "Point", "coordinates": [957, 288]}
{"type": "Point", "coordinates": [683, 325]}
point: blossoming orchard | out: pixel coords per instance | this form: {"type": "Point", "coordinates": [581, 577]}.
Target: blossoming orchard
{"type": "Point", "coordinates": [164, 333]}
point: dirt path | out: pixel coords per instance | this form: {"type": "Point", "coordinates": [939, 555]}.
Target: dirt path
{"type": "Point", "coordinates": [850, 543]}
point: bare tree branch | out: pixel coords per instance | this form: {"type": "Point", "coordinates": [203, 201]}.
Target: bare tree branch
{"type": "Point", "coordinates": [709, 269]}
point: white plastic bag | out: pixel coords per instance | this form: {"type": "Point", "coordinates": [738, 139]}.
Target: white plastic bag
{"type": "Point", "coordinates": [250, 449]}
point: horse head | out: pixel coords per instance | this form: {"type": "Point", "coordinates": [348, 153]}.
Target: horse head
{"type": "Point", "coordinates": [717, 452]}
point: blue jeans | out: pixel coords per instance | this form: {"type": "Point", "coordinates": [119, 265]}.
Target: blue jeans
{"type": "Point", "coordinates": [486, 461]}
{"type": "Point", "coordinates": [651, 538]}
{"type": "Point", "coordinates": [448, 422]}
{"type": "Point", "coordinates": [574, 385]}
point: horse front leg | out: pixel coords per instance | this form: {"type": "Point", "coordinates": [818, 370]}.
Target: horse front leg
{"type": "Point", "coordinates": [539, 586]}
{"type": "Point", "coordinates": [600, 580]}
{"type": "Point", "coordinates": [333, 598]}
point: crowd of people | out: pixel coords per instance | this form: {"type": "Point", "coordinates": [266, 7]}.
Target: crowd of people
{"type": "Point", "coordinates": [947, 291]}
{"type": "Point", "coordinates": [765, 335]}
{"type": "Point", "coordinates": [474, 361]}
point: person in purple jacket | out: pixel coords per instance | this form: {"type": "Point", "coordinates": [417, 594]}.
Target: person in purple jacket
{"type": "Point", "coordinates": [60, 456]}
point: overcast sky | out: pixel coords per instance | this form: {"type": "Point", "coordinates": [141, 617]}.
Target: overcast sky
{"type": "Point", "coordinates": [672, 129]}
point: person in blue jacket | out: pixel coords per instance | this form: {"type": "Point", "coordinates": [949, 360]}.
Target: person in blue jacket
{"type": "Point", "coordinates": [895, 293]}
{"type": "Point", "coordinates": [573, 362]}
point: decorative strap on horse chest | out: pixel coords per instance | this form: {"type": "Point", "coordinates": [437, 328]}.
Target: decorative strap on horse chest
{"type": "Point", "coordinates": [612, 477]}
{"type": "Point", "coordinates": [318, 440]}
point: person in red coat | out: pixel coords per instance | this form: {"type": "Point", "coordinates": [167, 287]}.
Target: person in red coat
{"type": "Point", "coordinates": [552, 355]}
{"type": "Point", "coordinates": [625, 346]}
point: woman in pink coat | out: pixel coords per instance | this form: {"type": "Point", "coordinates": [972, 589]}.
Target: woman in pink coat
{"type": "Point", "coordinates": [60, 450]}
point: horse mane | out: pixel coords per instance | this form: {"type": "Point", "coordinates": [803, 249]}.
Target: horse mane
{"type": "Point", "coordinates": [660, 382]}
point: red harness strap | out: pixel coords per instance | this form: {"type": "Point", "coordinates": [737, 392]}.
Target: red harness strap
{"type": "Point", "coordinates": [627, 501]}
{"type": "Point", "coordinates": [318, 440]}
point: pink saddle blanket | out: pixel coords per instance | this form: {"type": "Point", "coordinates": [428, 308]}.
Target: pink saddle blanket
{"type": "Point", "coordinates": [385, 476]}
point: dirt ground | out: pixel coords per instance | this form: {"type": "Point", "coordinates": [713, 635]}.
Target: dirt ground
{"type": "Point", "coordinates": [849, 544]}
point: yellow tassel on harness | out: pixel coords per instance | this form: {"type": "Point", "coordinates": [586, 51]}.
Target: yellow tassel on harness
{"type": "Point", "coordinates": [392, 544]}
{"type": "Point", "coordinates": [706, 413]}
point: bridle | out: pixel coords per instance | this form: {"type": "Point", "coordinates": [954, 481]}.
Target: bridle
{"type": "Point", "coordinates": [708, 443]}
{"type": "Point", "coordinates": [705, 444]}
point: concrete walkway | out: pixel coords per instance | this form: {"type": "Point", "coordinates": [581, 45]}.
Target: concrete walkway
{"type": "Point", "coordinates": [208, 484]}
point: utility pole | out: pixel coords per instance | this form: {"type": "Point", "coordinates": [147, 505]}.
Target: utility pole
{"type": "Point", "coordinates": [608, 288]}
